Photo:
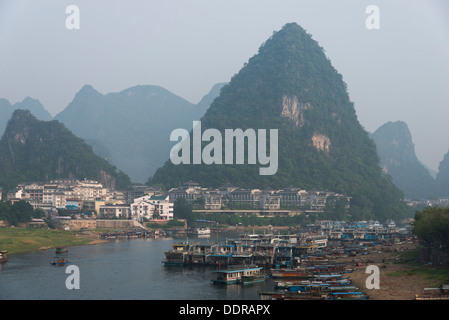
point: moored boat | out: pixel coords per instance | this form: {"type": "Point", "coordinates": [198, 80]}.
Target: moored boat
{"type": "Point", "coordinates": [350, 295]}
{"type": "Point", "coordinates": [3, 256]}
{"type": "Point", "coordinates": [290, 273]}
{"type": "Point", "coordinates": [251, 278]}
{"type": "Point", "coordinates": [61, 250]}
{"type": "Point", "coordinates": [60, 262]}
{"type": "Point", "coordinates": [239, 274]}
{"type": "Point", "coordinates": [178, 255]}
{"type": "Point", "coordinates": [291, 296]}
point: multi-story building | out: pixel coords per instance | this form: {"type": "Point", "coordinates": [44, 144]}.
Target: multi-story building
{"type": "Point", "coordinates": [152, 207]}
{"type": "Point", "coordinates": [213, 200]}
{"type": "Point", "coordinates": [88, 189]}
{"type": "Point", "coordinates": [56, 193]}
{"type": "Point", "coordinates": [292, 197]}
{"type": "Point", "coordinates": [289, 198]}
{"type": "Point", "coordinates": [120, 211]}
{"type": "Point", "coordinates": [248, 197]}
{"type": "Point", "coordinates": [269, 200]}
{"type": "Point", "coordinates": [35, 191]}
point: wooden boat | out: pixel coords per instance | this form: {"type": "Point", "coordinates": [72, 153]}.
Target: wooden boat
{"type": "Point", "coordinates": [333, 285]}
{"type": "Point", "coordinates": [239, 274]}
{"type": "Point", "coordinates": [61, 250]}
{"type": "Point", "coordinates": [310, 288]}
{"type": "Point", "coordinates": [350, 295]}
{"type": "Point", "coordinates": [3, 256]}
{"type": "Point", "coordinates": [330, 277]}
{"type": "Point", "coordinates": [60, 262]}
{"type": "Point", "coordinates": [291, 296]}
{"type": "Point", "coordinates": [178, 255]}
{"type": "Point", "coordinates": [285, 285]}
{"type": "Point", "coordinates": [290, 273]}
{"type": "Point", "coordinates": [252, 278]}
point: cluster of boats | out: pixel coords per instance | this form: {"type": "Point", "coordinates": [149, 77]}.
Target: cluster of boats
{"type": "Point", "coordinates": [299, 265]}
{"type": "Point", "coordinates": [250, 249]}
{"type": "Point", "coordinates": [60, 260]}
{"type": "Point", "coordinates": [310, 283]}
{"type": "Point", "coordinates": [313, 283]}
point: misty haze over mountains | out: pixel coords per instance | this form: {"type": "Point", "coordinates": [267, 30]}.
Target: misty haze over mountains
{"type": "Point", "coordinates": [131, 130]}
{"type": "Point", "coordinates": [290, 79]}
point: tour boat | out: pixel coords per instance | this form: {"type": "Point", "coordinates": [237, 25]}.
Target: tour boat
{"type": "Point", "coordinates": [239, 274]}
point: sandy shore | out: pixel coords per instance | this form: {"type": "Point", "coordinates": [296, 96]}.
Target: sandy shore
{"type": "Point", "coordinates": [395, 283]}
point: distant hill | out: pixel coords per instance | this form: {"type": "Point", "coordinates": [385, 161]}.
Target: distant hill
{"type": "Point", "coordinates": [131, 128]}
{"type": "Point", "coordinates": [398, 159]}
{"type": "Point", "coordinates": [291, 85]}
{"type": "Point", "coordinates": [34, 150]}
{"type": "Point", "coordinates": [33, 105]}
{"type": "Point", "coordinates": [442, 178]}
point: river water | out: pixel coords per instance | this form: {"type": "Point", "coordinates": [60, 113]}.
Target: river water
{"type": "Point", "coordinates": [119, 269]}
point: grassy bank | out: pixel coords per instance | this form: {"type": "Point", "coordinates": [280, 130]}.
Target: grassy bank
{"type": "Point", "coordinates": [19, 240]}
{"type": "Point", "coordinates": [409, 260]}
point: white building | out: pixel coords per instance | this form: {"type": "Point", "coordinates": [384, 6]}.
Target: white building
{"type": "Point", "coordinates": [141, 209]}
{"type": "Point", "coordinates": [120, 211]}
{"type": "Point", "coordinates": [152, 207]}
{"type": "Point", "coordinates": [57, 192]}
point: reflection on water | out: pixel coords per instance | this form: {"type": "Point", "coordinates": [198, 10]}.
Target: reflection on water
{"type": "Point", "coordinates": [122, 269]}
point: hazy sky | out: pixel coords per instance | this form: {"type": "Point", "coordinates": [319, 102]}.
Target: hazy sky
{"type": "Point", "coordinates": [397, 72]}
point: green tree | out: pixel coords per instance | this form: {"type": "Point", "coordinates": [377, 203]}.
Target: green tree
{"type": "Point", "coordinates": [182, 209]}
{"type": "Point", "coordinates": [431, 226]}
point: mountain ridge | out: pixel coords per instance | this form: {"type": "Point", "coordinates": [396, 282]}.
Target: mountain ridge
{"type": "Point", "coordinates": [28, 103]}
{"type": "Point", "coordinates": [129, 128]}
{"type": "Point", "coordinates": [442, 178]}
{"type": "Point", "coordinates": [291, 85]}
{"type": "Point", "coordinates": [37, 150]}
{"type": "Point", "coordinates": [398, 159]}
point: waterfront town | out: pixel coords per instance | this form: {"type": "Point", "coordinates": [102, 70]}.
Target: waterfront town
{"type": "Point", "coordinates": [90, 200]}
{"type": "Point", "coordinates": [322, 260]}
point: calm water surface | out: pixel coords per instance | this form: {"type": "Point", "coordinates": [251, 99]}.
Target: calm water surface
{"type": "Point", "coordinates": [121, 269]}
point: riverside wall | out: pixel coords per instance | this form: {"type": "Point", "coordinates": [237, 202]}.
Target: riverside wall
{"type": "Point", "coordinates": [95, 224]}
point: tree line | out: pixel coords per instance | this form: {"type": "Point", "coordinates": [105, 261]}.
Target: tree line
{"type": "Point", "coordinates": [17, 212]}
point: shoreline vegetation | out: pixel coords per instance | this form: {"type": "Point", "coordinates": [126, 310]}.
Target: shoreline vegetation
{"type": "Point", "coordinates": [21, 240]}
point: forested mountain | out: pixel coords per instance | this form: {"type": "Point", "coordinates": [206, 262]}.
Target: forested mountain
{"type": "Point", "coordinates": [131, 128]}
{"type": "Point", "coordinates": [291, 85]}
{"type": "Point", "coordinates": [34, 150]}
{"type": "Point", "coordinates": [398, 159]}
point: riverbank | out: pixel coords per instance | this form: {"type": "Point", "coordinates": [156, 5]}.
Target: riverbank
{"type": "Point", "coordinates": [401, 278]}
{"type": "Point", "coordinates": [21, 240]}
